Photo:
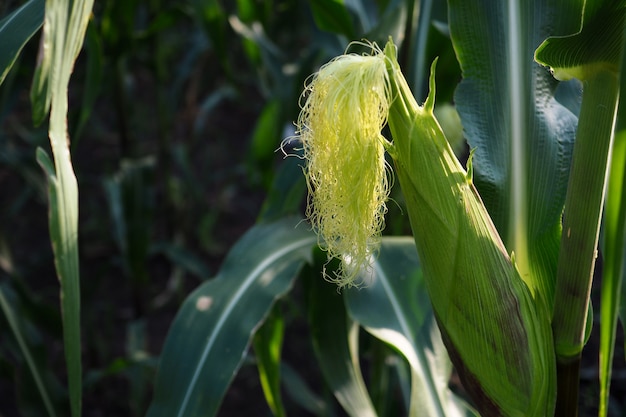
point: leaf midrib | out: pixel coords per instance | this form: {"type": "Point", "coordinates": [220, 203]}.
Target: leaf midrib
{"type": "Point", "coordinates": [308, 241]}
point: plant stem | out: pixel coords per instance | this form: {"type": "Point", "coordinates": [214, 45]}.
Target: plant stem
{"type": "Point", "coordinates": [568, 376]}
{"type": "Point", "coordinates": [582, 215]}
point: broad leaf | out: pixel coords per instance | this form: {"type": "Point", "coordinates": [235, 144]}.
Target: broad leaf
{"type": "Point", "coordinates": [403, 318]}
{"type": "Point", "coordinates": [213, 328]}
{"type": "Point", "coordinates": [15, 30]}
{"type": "Point", "coordinates": [521, 136]}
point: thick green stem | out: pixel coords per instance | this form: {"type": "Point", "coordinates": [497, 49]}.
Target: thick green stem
{"type": "Point", "coordinates": [582, 215]}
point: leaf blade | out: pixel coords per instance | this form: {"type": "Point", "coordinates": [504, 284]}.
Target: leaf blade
{"type": "Point", "coordinates": [15, 30]}
{"type": "Point", "coordinates": [213, 327]}
{"type": "Point", "coordinates": [335, 341]}
{"type": "Point", "coordinates": [523, 146]}
{"type": "Point", "coordinates": [403, 318]}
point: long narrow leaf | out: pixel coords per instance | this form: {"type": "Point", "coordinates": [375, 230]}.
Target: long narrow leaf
{"type": "Point", "coordinates": [267, 343]}
{"type": "Point", "coordinates": [613, 271]}
{"type": "Point", "coordinates": [614, 245]}
{"type": "Point", "coordinates": [64, 28]}
{"type": "Point", "coordinates": [403, 318]}
{"type": "Point", "coordinates": [9, 310]}
{"type": "Point", "coordinates": [521, 136]}
{"type": "Point", "coordinates": [335, 340]}
{"type": "Point", "coordinates": [209, 337]}
{"type": "Point", "coordinates": [15, 30]}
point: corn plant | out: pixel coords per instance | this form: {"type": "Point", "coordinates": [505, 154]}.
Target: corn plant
{"type": "Point", "coordinates": [506, 246]}
{"type": "Point", "coordinates": [64, 25]}
{"type": "Point", "coordinates": [494, 284]}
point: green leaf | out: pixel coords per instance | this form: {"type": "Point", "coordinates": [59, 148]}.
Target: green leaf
{"type": "Point", "coordinates": [268, 342]}
{"type": "Point", "coordinates": [15, 30]}
{"type": "Point", "coordinates": [521, 136]}
{"type": "Point", "coordinates": [403, 319]}
{"type": "Point", "coordinates": [392, 22]}
{"type": "Point", "coordinates": [287, 192]}
{"type": "Point", "coordinates": [11, 313]}
{"type": "Point", "coordinates": [63, 33]}
{"type": "Point", "coordinates": [597, 46]}
{"type": "Point", "coordinates": [613, 301]}
{"type": "Point", "coordinates": [593, 55]}
{"type": "Point", "coordinates": [335, 341]}
{"type": "Point", "coordinates": [301, 393]}
{"type": "Point", "coordinates": [209, 336]}
{"type": "Point", "coordinates": [333, 16]}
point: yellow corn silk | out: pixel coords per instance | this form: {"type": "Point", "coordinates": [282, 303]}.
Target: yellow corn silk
{"type": "Point", "coordinates": [498, 338]}
{"type": "Point", "coordinates": [345, 108]}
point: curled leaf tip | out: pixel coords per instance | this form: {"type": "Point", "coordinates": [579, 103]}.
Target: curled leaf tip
{"type": "Point", "coordinates": [345, 107]}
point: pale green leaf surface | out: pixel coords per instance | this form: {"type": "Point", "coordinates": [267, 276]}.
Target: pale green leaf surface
{"type": "Point", "coordinates": [64, 28]}
{"type": "Point", "coordinates": [335, 342]}
{"type": "Point", "coordinates": [521, 136]}
{"type": "Point", "coordinates": [15, 30]}
{"type": "Point", "coordinates": [216, 322]}
{"type": "Point", "coordinates": [597, 46]}
{"type": "Point", "coordinates": [403, 319]}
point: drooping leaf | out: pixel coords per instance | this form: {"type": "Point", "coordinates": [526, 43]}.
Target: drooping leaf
{"type": "Point", "coordinates": [521, 136]}
{"type": "Point", "coordinates": [268, 342]}
{"type": "Point", "coordinates": [335, 341]}
{"type": "Point", "coordinates": [403, 318]}
{"type": "Point", "coordinates": [15, 30]}
{"type": "Point", "coordinates": [597, 46]}
{"type": "Point", "coordinates": [216, 322]}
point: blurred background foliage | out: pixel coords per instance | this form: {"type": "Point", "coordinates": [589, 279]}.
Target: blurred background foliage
{"type": "Point", "coordinates": [177, 110]}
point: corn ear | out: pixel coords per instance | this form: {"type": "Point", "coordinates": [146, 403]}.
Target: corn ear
{"type": "Point", "coordinates": [498, 337]}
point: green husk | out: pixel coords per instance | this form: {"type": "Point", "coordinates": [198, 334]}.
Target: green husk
{"type": "Point", "coordinates": [498, 337]}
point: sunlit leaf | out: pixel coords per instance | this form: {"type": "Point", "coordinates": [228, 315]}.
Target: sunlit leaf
{"type": "Point", "coordinates": [335, 341]}
{"type": "Point", "coordinates": [521, 136]}
{"type": "Point", "coordinates": [402, 317]}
